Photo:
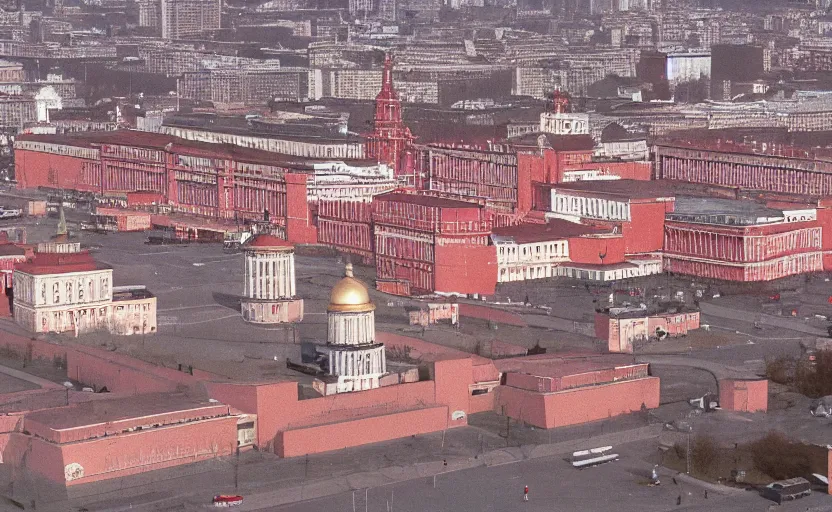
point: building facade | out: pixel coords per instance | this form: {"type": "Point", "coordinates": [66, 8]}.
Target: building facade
{"type": "Point", "coordinates": [529, 252]}
{"type": "Point", "coordinates": [771, 167]}
{"type": "Point", "coordinates": [63, 289]}
{"type": "Point", "coordinates": [429, 244]}
{"type": "Point", "coordinates": [742, 253]}
{"type": "Point", "coordinates": [184, 18]}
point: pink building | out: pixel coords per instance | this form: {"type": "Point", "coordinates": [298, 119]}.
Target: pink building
{"type": "Point", "coordinates": [99, 440]}
{"type": "Point", "coordinates": [743, 395]}
{"type": "Point", "coordinates": [550, 391]}
{"type": "Point", "coordinates": [620, 328]}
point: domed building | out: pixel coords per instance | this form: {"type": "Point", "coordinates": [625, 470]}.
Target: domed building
{"type": "Point", "coordinates": [352, 354]}
{"type": "Point", "coordinates": [269, 291]}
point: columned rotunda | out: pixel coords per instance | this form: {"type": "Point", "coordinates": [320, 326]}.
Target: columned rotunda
{"type": "Point", "coordinates": [269, 291]}
{"type": "Point", "coordinates": [353, 356]}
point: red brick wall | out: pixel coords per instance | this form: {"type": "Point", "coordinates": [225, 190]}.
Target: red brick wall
{"type": "Point", "coordinates": [336, 436]}
{"type": "Point", "coordinates": [743, 395]}
{"type": "Point", "coordinates": [825, 222]}
{"type": "Point", "coordinates": [465, 269]}
{"type": "Point", "coordinates": [580, 405]}
{"type": "Point", "coordinates": [29, 348]}
{"type": "Point", "coordinates": [451, 378]}
{"type": "Point", "coordinates": [589, 249]}
{"type": "Point", "coordinates": [602, 327]}
{"type": "Point", "coordinates": [32, 169]}
{"type": "Point", "coordinates": [122, 374]}
{"type": "Point", "coordinates": [645, 233]}
{"type": "Point", "coordinates": [487, 313]}
{"type": "Point", "coordinates": [299, 228]}
{"type": "Point", "coordinates": [138, 452]}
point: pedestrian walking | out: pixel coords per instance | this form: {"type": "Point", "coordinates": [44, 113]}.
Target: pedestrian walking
{"type": "Point", "coordinates": [526, 493]}
{"type": "Point", "coordinates": [679, 500]}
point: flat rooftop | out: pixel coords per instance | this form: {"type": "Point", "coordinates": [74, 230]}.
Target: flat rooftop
{"type": "Point", "coordinates": [164, 142]}
{"type": "Point", "coordinates": [11, 384]}
{"type": "Point", "coordinates": [425, 200]}
{"type": "Point", "coordinates": [130, 293]}
{"type": "Point", "coordinates": [629, 189]}
{"type": "Point", "coordinates": [710, 206]}
{"type": "Point", "coordinates": [563, 365]}
{"type": "Point", "coordinates": [723, 211]}
{"type": "Point", "coordinates": [555, 229]}
{"type": "Point", "coordinates": [123, 408]}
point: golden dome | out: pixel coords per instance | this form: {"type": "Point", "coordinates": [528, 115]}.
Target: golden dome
{"type": "Point", "coordinates": [350, 295]}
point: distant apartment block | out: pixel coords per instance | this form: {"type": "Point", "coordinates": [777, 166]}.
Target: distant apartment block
{"type": "Point", "coordinates": [251, 87]}
{"type": "Point", "coordinates": [181, 18]}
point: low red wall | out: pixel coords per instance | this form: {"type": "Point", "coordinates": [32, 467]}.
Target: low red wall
{"type": "Point", "coordinates": [11, 422]}
{"type": "Point", "coordinates": [31, 349]}
{"type": "Point", "coordinates": [129, 454]}
{"type": "Point", "coordinates": [452, 378]}
{"type": "Point", "coordinates": [278, 408]}
{"type": "Point", "coordinates": [493, 314]}
{"type": "Point", "coordinates": [481, 403]}
{"type": "Point", "coordinates": [336, 436]}
{"type": "Point", "coordinates": [122, 374]}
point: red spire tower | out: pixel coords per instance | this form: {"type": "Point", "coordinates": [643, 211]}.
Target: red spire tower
{"type": "Point", "coordinates": [390, 136]}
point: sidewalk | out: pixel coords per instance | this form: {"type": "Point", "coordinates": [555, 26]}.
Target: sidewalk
{"type": "Point", "coordinates": [291, 491]}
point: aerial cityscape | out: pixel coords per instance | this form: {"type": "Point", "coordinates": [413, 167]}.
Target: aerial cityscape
{"type": "Point", "coordinates": [415, 255]}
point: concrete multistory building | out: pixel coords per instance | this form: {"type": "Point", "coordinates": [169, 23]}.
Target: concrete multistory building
{"type": "Point", "coordinates": [182, 18]}
{"type": "Point", "coordinates": [150, 14]}
{"type": "Point", "coordinates": [269, 294]}
{"type": "Point", "coordinates": [353, 355]}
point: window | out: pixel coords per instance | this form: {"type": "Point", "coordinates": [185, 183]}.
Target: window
{"type": "Point", "coordinates": [56, 298]}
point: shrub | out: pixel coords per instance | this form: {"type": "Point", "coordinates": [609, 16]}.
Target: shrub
{"type": "Point", "coordinates": [704, 454]}
{"type": "Point", "coordinates": [779, 369]}
{"type": "Point", "coordinates": [779, 458]}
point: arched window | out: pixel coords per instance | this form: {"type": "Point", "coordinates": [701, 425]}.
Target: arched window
{"type": "Point", "coordinates": [56, 293]}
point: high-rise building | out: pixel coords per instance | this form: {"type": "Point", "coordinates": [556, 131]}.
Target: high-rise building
{"type": "Point", "coordinates": [181, 18]}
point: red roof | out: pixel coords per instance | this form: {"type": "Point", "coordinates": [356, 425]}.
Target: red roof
{"type": "Point", "coordinates": [556, 229]}
{"type": "Point", "coordinates": [269, 242]}
{"type": "Point", "coordinates": [11, 250]}
{"type": "Point", "coordinates": [426, 200]}
{"type": "Point", "coordinates": [56, 263]}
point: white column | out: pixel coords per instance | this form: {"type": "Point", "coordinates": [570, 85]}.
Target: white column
{"type": "Point", "coordinates": [251, 272]}
{"type": "Point", "coordinates": [292, 274]}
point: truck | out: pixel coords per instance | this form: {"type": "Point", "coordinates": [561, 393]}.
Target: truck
{"type": "Point", "coordinates": [787, 490]}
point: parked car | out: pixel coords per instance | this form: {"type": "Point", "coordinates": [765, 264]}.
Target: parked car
{"type": "Point", "coordinates": [228, 500]}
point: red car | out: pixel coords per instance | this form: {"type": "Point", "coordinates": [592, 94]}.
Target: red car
{"type": "Point", "coordinates": [225, 500]}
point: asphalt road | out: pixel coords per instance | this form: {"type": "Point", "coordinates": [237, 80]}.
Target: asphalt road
{"type": "Point", "coordinates": [554, 486]}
